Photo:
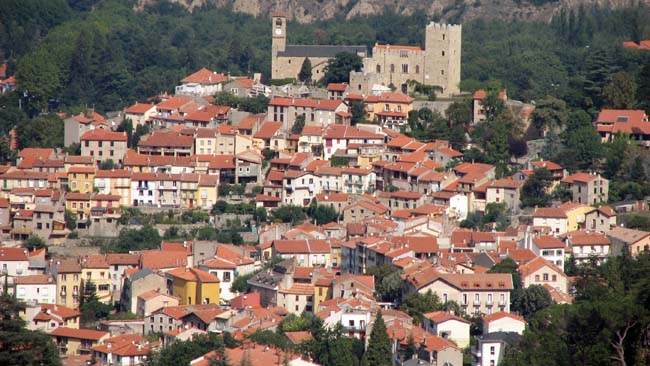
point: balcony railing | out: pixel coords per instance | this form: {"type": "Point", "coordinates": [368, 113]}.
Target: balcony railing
{"type": "Point", "coordinates": [477, 302]}
{"type": "Point", "coordinates": [354, 328]}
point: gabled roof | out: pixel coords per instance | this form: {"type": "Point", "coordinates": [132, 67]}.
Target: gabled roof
{"type": "Point", "coordinates": [89, 334]}
{"type": "Point", "coordinates": [268, 130]}
{"type": "Point", "coordinates": [205, 76]}
{"type": "Point", "coordinates": [501, 315]}
{"type": "Point", "coordinates": [13, 254]}
{"type": "Point", "coordinates": [550, 212]}
{"type": "Point", "coordinates": [548, 242]}
{"type": "Point", "coordinates": [580, 178]}
{"type": "Point", "coordinates": [301, 246]}
{"type": "Point", "coordinates": [537, 264]}
{"type": "Point", "coordinates": [443, 316]}
{"type": "Point", "coordinates": [139, 108]}
{"type": "Point", "coordinates": [103, 135]}
{"type": "Point", "coordinates": [167, 139]}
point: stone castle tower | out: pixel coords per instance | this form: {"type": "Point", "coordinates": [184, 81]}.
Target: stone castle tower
{"type": "Point", "coordinates": [442, 55]}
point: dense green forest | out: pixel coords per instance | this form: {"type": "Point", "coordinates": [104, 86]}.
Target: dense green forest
{"type": "Point", "coordinates": [112, 56]}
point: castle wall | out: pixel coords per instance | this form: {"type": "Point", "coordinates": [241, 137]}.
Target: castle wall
{"type": "Point", "coordinates": [397, 65]}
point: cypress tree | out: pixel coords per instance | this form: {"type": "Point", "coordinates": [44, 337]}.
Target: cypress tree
{"type": "Point", "coordinates": [305, 71]}
{"type": "Point", "coordinates": [378, 352]}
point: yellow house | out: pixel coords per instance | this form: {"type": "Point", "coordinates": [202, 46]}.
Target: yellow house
{"type": "Point", "coordinates": [68, 283]}
{"type": "Point", "coordinates": [77, 341]}
{"type": "Point", "coordinates": [322, 291]}
{"type": "Point", "coordinates": [79, 203]}
{"type": "Point", "coordinates": [194, 286]}
{"type": "Point", "coordinates": [575, 213]}
{"type": "Point", "coordinates": [390, 107]}
{"type": "Point", "coordinates": [206, 194]}
{"type": "Point", "coordinates": [81, 179]}
{"type": "Point", "coordinates": [189, 188]}
{"type": "Point", "coordinates": [95, 270]}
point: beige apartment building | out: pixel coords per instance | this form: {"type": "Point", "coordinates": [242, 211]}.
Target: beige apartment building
{"type": "Point", "coordinates": [588, 188]}
{"type": "Point", "coordinates": [68, 281]}
{"type": "Point", "coordinates": [482, 293]}
{"type": "Point", "coordinates": [103, 145]}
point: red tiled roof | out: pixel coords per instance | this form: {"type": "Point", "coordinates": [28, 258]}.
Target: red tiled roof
{"type": "Point", "coordinates": [103, 135]}
{"type": "Point", "coordinates": [139, 108]}
{"type": "Point", "coordinates": [389, 97]}
{"type": "Point", "coordinates": [580, 177]}
{"type": "Point", "coordinates": [122, 259]}
{"type": "Point", "coordinates": [167, 139]}
{"type": "Point", "coordinates": [535, 265]}
{"type": "Point", "coordinates": [94, 335]}
{"type": "Point", "coordinates": [549, 165]}
{"type": "Point", "coordinates": [205, 76]}
{"type": "Point", "coordinates": [157, 259]}
{"type": "Point", "coordinates": [245, 82]}
{"type": "Point", "coordinates": [81, 169]}
{"type": "Point", "coordinates": [500, 315]}
{"type": "Point", "coordinates": [547, 242]}
{"type": "Point", "coordinates": [328, 104]}
{"type": "Point", "coordinates": [35, 280]}
{"type": "Point", "coordinates": [116, 173]}
{"type": "Point", "coordinates": [268, 130]}
{"type": "Point", "coordinates": [550, 212]}
{"type": "Point", "coordinates": [301, 246]}
{"type": "Point", "coordinates": [337, 87]}
{"type": "Point", "coordinates": [443, 316]}
{"type": "Point", "coordinates": [349, 132]}
{"type": "Point", "coordinates": [624, 121]}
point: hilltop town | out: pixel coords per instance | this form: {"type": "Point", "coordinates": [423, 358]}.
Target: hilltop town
{"type": "Point", "coordinates": [354, 207]}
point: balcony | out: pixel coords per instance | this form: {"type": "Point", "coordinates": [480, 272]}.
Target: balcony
{"type": "Point", "coordinates": [104, 211]}
{"type": "Point", "coordinates": [502, 303]}
{"type": "Point", "coordinates": [354, 328]}
{"type": "Point", "coordinates": [477, 302]}
{"type": "Point", "coordinates": [489, 302]}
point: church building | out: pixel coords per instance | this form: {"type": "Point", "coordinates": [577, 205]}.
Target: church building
{"type": "Point", "coordinates": [286, 60]}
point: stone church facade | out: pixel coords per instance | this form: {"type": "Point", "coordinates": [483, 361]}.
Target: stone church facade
{"type": "Point", "coordinates": [286, 60]}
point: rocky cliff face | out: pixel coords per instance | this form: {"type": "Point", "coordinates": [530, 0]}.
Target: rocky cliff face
{"type": "Point", "coordinates": [307, 11]}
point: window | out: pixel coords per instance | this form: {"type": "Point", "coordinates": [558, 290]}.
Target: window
{"type": "Point", "coordinates": [442, 72]}
{"type": "Point", "coordinates": [378, 68]}
{"type": "Point", "coordinates": [226, 276]}
{"type": "Point", "coordinates": [536, 278]}
{"type": "Point", "coordinates": [417, 69]}
{"type": "Point", "coordinates": [392, 68]}
{"type": "Point", "coordinates": [443, 53]}
{"type": "Point", "coordinates": [405, 68]}
{"type": "Point", "coordinates": [554, 277]}
{"type": "Point", "coordinates": [545, 276]}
